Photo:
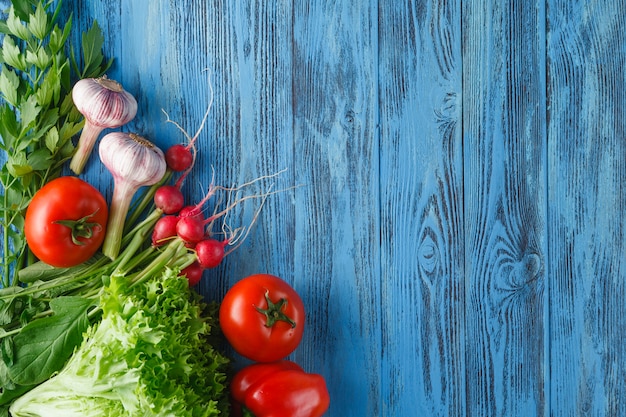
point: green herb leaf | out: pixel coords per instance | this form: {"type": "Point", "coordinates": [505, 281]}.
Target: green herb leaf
{"type": "Point", "coordinates": [15, 25]}
{"type": "Point", "coordinates": [18, 165]}
{"type": "Point", "coordinates": [92, 44]}
{"type": "Point", "coordinates": [12, 55]}
{"type": "Point", "coordinates": [52, 139]}
{"type": "Point", "coordinates": [9, 130]}
{"type": "Point", "coordinates": [9, 84]}
{"type": "Point", "coordinates": [38, 22]}
{"type": "Point", "coordinates": [40, 160]}
{"type": "Point", "coordinates": [50, 89]}
{"type": "Point", "coordinates": [29, 112]}
{"type": "Point", "coordinates": [39, 58]}
{"type": "Point", "coordinates": [44, 345]}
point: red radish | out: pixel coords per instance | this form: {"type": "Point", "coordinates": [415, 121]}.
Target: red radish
{"type": "Point", "coordinates": [210, 252]}
{"type": "Point", "coordinates": [190, 229]}
{"type": "Point", "coordinates": [179, 157]}
{"type": "Point", "coordinates": [193, 273]}
{"type": "Point", "coordinates": [164, 229]}
{"type": "Point", "coordinates": [196, 210]}
{"type": "Point", "coordinates": [190, 211]}
{"type": "Point", "coordinates": [169, 199]}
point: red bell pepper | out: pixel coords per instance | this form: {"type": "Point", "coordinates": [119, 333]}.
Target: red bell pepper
{"type": "Point", "coordinates": [278, 389]}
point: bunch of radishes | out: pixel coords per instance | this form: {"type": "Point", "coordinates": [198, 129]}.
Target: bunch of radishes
{"type": "Point", "coordinates": [105, 103]}
{"type": "Point", "coordinates": [189, 223]}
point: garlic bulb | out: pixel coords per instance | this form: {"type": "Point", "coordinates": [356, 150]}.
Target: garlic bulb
{"type": "Point", "coordinates": [134, 162]}
{"type": "Point", "coordinates": [105, 104]}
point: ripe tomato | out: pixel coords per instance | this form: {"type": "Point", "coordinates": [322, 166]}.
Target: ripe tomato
{"type": "Point", "coordinates": [262, 317]}
{"type": "Point", "coordinates": [279, 388]}
{"type": "Point", "coordinates": [251, 375]}
{"type": "Point", "coordinates": [65, 222]}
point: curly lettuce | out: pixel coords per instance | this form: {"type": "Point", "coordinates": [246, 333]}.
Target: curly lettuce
{"type": "Point", "coordinates": [149, 355]}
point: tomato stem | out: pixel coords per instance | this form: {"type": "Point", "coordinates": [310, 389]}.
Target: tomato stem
{"type": "Point", "coordinates": [274, 313]}
{"type": "Point", "coordinates": [81, 228]}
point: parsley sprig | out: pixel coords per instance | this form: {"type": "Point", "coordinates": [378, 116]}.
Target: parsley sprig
{"type": "Point", "coordinates": [37, 115]}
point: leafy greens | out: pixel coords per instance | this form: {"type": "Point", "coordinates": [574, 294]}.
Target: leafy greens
{"type": "Point", "coordinates": [150, 355]}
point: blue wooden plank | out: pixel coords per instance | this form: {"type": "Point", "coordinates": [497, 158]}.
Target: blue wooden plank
{"type": "Point", "coordinates": [337, 225]}
{"type": "Point", "coordinates": [504, 124]}
{"type": "Point", "coordinates": [422, 248]}
{"type": "Point", "coordinates": [587, 245]}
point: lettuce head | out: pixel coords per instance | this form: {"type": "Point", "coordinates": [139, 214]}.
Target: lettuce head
{"type": "Point", "coordinates": [149, 355]}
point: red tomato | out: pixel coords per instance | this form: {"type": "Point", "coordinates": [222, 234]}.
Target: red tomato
{"type": "Point", "coordinates": [262, 317]}
{"type": "Point", "coordinates": [278, 389]}
{"type": "Point", "coordinates": [256, 372]}
{"type": "Point", "coordinates": [251, 375]}
{"type": "Point", "coordinates": [66, 222]}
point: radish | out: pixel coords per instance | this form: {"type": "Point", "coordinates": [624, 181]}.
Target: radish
{"type": "Point", "coordinates": [179, 157]}
{"type": "Point", "coordinates": [169, 199]}
{"type": "Point", "coordinates": [193, 273]}
{"type": "Point", "coordinates": [182, 157]}
{"type": "Point", "coordinates": [190, 211]}
{"type": "Point", "coordinates": [210, 252]}
{"type": "Point", "coordinates": [164, 230]}
{"type": "Point", "coordinates": [190, 229]}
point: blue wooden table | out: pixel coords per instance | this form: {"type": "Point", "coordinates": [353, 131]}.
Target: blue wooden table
{"type": "Point", "coordinates": [457, 230]}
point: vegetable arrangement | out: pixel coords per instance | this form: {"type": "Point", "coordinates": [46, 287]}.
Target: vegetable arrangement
{"type": "Point", "coordinates": [37, 115]}
{"type": "Point", "coordinates": [262, 317]}
{"type": "Point", "coordinates": [98, 315]}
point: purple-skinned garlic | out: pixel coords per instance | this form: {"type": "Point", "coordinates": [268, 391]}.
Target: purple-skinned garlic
{"type": "Point", "coordinates": [105, 104]}
{"type": "Point", "coordinates": [133, 162]}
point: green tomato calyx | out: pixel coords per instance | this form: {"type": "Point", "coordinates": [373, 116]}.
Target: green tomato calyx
{"type": "Point", "coordinates": [81, 228]}
{"type": "Point", "coordinates": [274, 311]}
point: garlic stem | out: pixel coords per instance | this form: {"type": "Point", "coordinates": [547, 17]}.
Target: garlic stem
{"type": "Point", "coordinates": [87, 140]}
{"type": "Point", "coordinates": [120, 202]}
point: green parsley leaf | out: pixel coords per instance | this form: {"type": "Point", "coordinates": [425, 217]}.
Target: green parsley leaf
{"type": "Point", "coordinates": [40, 160]}
{"type": "Point", "coordinates": [38, 22]}
{"type": "Point", "coordinates": [29, 112]}
{"type": "Point", "coordinates": [15, 25]}
{"type": "Point", "coordinates": [12, 55]}
{"type": "Point", "coordinates": [9, 127]}
{"type": "Point", "coordinates": [52, 139]}
{"type": "Point", "coordinates": [9, 84]}
{"type": "Point", "coordinates": [92, 44]}
{"type": "Point", "coordinates": [39, 59]}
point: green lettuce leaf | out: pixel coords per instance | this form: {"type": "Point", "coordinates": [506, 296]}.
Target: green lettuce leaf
{"type": "Point", "coordinates": [150, 355]}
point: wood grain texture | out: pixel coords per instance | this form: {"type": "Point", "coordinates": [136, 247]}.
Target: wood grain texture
{"type": "Point", "coordinates": [337, 224]}
{"type": "Point", "coordinates": [457, 226]}
{"type": "Point", "coordinates": [587, 168]}
{"type": "Point", "coordinates": [421, 181]}
{"type": "Point", "coordinates": [505, 207]}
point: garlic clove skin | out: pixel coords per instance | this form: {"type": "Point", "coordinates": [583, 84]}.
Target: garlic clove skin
{"type": "Point", "coordinates": [133, 162]}
{"type": "Point", "coordinates": [105, 104]}
{"type": "Point", "coordinates": [133, 158]}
